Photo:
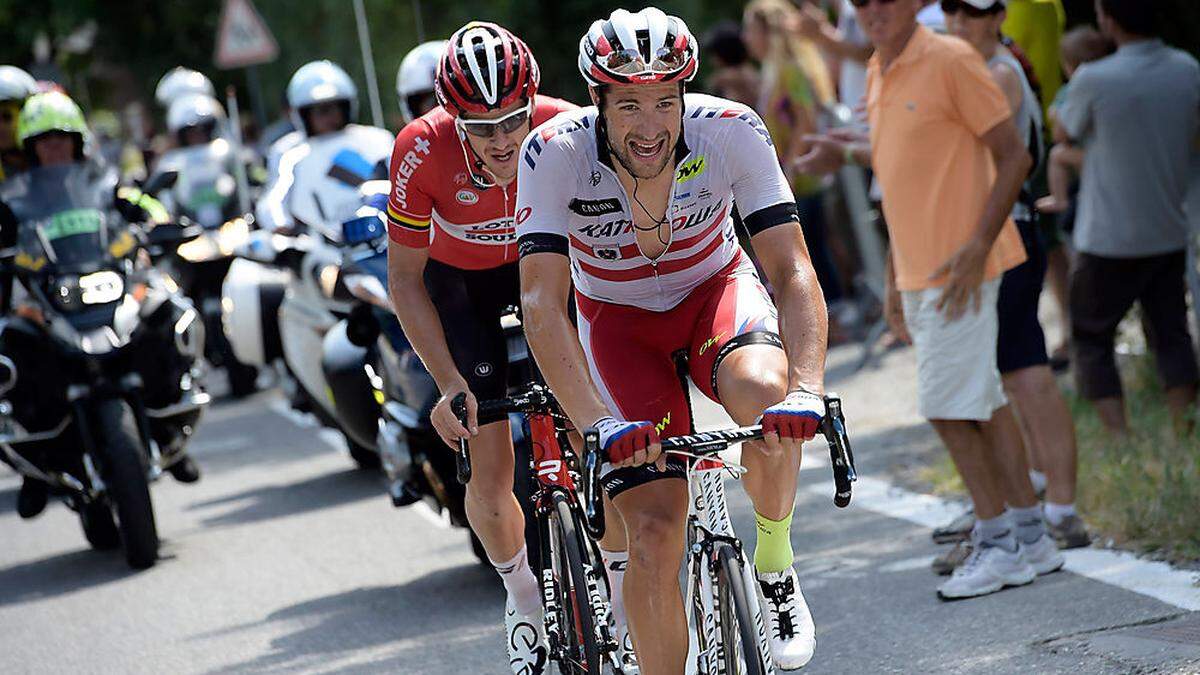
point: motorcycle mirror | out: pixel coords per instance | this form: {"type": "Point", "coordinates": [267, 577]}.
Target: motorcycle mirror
{"type": "Point", "coordinates": [166, 235]}
{"type": "Point", "coordinates": [160, 182]}
{"type": "Point", "coordinates": [362, 230]}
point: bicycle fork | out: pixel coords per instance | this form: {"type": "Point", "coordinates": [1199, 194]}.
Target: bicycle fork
{"type": "Point", "coordinates": [709, 529]}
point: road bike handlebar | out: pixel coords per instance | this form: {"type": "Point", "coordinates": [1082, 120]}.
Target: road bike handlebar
{"type": "Point", "coordinates": [535, 398]}
{"type": "Point", "coordinates": [833, 427]}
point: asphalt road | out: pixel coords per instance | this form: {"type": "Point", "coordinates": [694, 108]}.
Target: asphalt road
{"type": "Point", "coordinates": [284, 558]}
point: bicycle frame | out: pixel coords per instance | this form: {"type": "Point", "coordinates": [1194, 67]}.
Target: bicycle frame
{"type": "Point", "coordinates": [555, 480]}
{"type": "Point", "coordinates": [551, 471]}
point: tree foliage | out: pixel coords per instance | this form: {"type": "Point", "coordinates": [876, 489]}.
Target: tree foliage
{"type": "Point", "coordinates": [138, 40]}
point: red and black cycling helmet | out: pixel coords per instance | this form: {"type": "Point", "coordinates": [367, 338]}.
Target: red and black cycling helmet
{"type": "Point", "coordinates": [638, 48]}
{"type": "Point", "coordinates": [485, 68]}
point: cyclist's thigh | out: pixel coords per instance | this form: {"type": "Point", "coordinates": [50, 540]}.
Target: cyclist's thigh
{"type": "Point", "coordinates": [472, 329]}
{"type": "Point", "coordinates": [629, 357]}
{"type": "Point", "coordinates": [737, 313]}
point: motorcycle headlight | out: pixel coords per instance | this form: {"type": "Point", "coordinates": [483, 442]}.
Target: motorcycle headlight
{"type": "Point", "coordinates": [97, 288]}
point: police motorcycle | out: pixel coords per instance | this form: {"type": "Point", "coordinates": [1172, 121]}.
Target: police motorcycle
{"type": "Point", "coordinates": [99, 388]}
{"type": "Point", "coordinates": [300, 214]}
{"type": "Point", "coordinates": [383, 394]}
{"type": "Point", "coordinates": [206, 193]}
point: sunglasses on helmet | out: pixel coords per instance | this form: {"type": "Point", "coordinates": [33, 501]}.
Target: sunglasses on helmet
{"type": "Point", "coordinates": [956, 6]}
{"type": "Point", "coordinates": [864, 3]}
{"type": "Point", "coordinates": [630, 62]}
{"type": "Point", "coordinates": [487, 128]}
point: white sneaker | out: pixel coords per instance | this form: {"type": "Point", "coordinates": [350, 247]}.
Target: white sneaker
{"type": "Point", "coordinates": [1043, 555]}
{"type": "Point", "coordinates": [525, 642]}
{"type": "Point", "coordinates": [988, 569]}
{"type": "Point", "coordinates": [790, 625]}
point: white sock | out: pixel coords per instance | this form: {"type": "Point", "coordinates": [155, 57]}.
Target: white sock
{"type": "Point", "coordinates": [1056, 513]}
{"type": "Point", "coordinates": [614, 565]}
{"type": "Point", "coordinates": [1038, 479]}
{"type": "Point", "coordinates": [520, 583]}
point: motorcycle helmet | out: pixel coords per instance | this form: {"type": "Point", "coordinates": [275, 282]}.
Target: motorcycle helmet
{"type": "Point", "coordinates": [414, 79]}
{"type": "Point", "coordinates": [16, 84]}
{"type": "Point", "coordinates": [180, 81]}
{"type": "Point", "coordinates": [320, 82]}
{"type": "Point", "coordinates": [48, 112]}
{"type": "Point", "coordinates": [194, 110]}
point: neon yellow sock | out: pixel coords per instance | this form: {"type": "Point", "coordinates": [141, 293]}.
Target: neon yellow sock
{"type": "Point", "coordinates": [773, 550]}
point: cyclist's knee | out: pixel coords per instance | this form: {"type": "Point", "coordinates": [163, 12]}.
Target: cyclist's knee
{"type": "Point", "coordinates": [656, 540]}
{"type": "Point", "coordinates": [751, 384]}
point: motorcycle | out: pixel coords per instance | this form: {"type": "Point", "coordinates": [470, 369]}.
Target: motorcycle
{"type": "Point", "coordinates": [206, 194]}
{"type": "Point", "coordinates": [99, 375]}
{"type": "Point", "coordinates": [383, 394]}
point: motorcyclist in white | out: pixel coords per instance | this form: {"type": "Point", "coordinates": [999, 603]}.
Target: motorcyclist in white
{"type": "Point", "coordinates": [414, 79]}
{"type": "Point", "coordinates": [320, 175]}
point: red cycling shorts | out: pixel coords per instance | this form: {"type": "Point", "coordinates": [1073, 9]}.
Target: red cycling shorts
{"type": "Point", "coordinates": [631, 353]}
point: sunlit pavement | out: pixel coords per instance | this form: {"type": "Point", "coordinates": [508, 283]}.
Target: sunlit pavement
{"type": "Point", "coordinates": [285, 558]}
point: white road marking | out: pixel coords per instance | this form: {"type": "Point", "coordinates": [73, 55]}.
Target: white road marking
{"type": "Point", "coordinates": [1124, 570]}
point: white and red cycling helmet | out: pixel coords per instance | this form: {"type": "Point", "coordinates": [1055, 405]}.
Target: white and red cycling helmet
{"type": "Point", "coordinates": [485, 68]}
{"type": "Point", "coordinates": [638, 48]}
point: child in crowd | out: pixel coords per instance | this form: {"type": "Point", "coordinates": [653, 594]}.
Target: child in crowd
{"type": "Point", "coordinates": [1079, 46]}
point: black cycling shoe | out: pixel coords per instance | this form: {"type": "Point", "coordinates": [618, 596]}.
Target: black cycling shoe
{"type": "Point", "coordinates": [185, 470]}
{"type": "Point", "coordinates": [32, 498]}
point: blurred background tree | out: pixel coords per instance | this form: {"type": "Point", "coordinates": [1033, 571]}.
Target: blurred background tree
{"type": "Point", "coordinates": [111, 52]}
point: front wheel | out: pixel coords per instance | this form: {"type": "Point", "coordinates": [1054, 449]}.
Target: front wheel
{"type": "Point", "coordinates": [739, 633]}
{"type": "Point", "coordinates": [582, 654]}
{"type": "Point", "coordinates": [98, 526]}
{"type": "Point", "coordinates": [363, 456]}
{"type": "Point", "coordinates": [124, 467]}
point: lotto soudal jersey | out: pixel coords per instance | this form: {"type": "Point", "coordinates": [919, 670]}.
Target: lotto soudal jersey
{"type": "Point", "coordinates": [571, 202]}
{"type": "Point", "coordinates": [434, 203]}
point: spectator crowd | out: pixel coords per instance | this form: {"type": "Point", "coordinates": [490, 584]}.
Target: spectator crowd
{"type": "Point", "coordinates": [1006, 158]}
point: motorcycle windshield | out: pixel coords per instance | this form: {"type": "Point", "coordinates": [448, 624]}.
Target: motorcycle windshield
{"type": "Point", "coordinates": [65, 218]}
{"type": "Point", "coordinates": [206, 189]}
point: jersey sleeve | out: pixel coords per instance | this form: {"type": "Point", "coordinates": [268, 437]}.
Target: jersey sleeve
{"type": "Point", "coordinates": [760, 189]}
{"type": "Point", "coordinates": [545, 185]}
{"type": "Point", "coordinates": [410, 204]}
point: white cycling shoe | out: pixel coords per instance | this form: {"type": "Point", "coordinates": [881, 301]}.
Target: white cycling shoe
{"type": "Point", "coordinates": [790, 624]}
{"type": "Point", "coordinates": [525, 642]}
{"type": "Point", "coordinates": [625, 654]}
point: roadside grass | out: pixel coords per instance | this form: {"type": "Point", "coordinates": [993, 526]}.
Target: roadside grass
{"type": "Point", "coordinates": [1143, 492]}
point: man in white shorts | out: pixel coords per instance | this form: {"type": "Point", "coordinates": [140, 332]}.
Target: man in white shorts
{"type": "Point", "coordinates": [951, 162]}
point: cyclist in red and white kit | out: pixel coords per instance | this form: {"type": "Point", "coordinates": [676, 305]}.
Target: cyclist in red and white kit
{"type": "Point", "coordinates": [452, 272]}
{"type": "Point", "coordinates": [631, 200]}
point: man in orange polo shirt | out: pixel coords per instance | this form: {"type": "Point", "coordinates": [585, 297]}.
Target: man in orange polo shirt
{"type": "Point", "coordinates": [951, 163]}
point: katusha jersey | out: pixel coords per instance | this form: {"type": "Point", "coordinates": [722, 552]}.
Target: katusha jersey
{"type": "Point", "coordinates": [434, 203]}
{"type": "Point", "coordinates": [570, 202]}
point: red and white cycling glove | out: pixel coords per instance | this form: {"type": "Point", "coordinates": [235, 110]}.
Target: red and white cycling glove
{"type": "Point", "coordinates": [620, 439]}
{"type": "Point", "coordinates": [797, 417]}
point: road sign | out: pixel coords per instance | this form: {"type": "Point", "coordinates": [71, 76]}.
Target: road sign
{"type": "Point", "coordinates": [243, 38]}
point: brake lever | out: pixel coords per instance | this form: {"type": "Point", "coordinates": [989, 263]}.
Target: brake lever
{"type": "Point", "coordinates": [462, 457]}
{"type": "Point", "coordinates": [593, 507]}
{"type": "Point", "coordinates": [841, 456]}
